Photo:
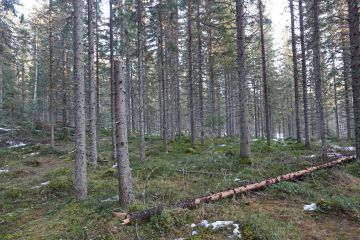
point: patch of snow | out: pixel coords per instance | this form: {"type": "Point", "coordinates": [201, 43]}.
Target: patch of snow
{"type": "Point", "coordinates": [5, 129]}
{"type": "Point", "coordinates": [13, 145]}
{"type": "Point", "coordinates": [238, 180]}
{"type": "Point", "coordinates": [114, 166]}
{"type": "Point", "coordinates": [222, 145]}
{"type": "Point", "coordinates": [236, 231]}
{"type": "Point", "coordinates": [41, 184]}
{"type": "Point", "coordinates": [194, 233]}
{"type": "Point", "coordinates": [179, 239]}
{"type": "Point", "coordinates": [309, 208]}
{"type": "Point", "coordinates": [3, 170]}
{"type": "Point", "coordinates": [220, 224]}
{"type": "Point", "coordinates": [254, 140]}
{"type": "Point", "coordinates": [346, 149]}
{"type": "Point", "coordinates": [34, 154]}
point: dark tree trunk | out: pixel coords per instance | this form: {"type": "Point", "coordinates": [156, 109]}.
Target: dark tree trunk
{"type": "Point", "coordinates": [296, 74]}
{"type": "Point", "coordinates": [355, 66]}
{"type": "Point", "coordinates": [304, 77]}
{"type": "Point", "coordinates": [244, 128]}
{"type": "Point", "coordinates": [190, 73]}
{"type": "Point", "coordinates": [264, 75]}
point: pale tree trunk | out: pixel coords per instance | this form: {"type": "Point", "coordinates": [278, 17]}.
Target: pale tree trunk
{"type": "Point", "coordinates": [92, 86]}
{"type": "Point", "coordinates": [80, 141]}
{"type": "Point", "coordinates": [355, 66]}
{"type": "Point", "coordinates": [35, 87]}
{"type": "Point", "coordinates": [141, 79]}
{"type": "Point", "coordinates": [97, 71]}
{"type": "Point", "coordinates": [336, 98]}
{"type": "Point", "coordinates": [111, 42]}
{"type": "Point", "coordinates": [122, 151]}
{"type": "Point", "coordinates": [65, 82]}
{"type": "Point", "coordinates": [162, 79]}
{"type": "Point", "coordinates": [1, 87]}
{"type": "Point", "coordinates": [177, 73]}
{"type": "Point", "coordinates": [304, 75]}
{"type": "Point", "coordinates": [200, 77]}
{"type": "Point", "coordinates": [296, 74]}
{"type": "Point", "coordinates": [244, 128]}
{"type": "Point", "coordinates": [264, 77]}
{"type": "Point", "coordinates": [212, 82]}
{"type": "Point", "coordinates": [190, 72]}
{"type": "Point", "coordinates": [317, 75]}
{"type": "Point", "coordinates": [51, 76]}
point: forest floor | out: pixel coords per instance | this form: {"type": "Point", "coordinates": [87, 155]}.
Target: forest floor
{"type": "Point", "coordinates": [36, 193]}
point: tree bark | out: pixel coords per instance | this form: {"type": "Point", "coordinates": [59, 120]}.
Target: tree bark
{"type": "Point", "coordinates": [190, 72]}
{"type": "Point", "coordinates": [111, 43]}
{"type": "Point", "coordinates": [51, 77]}
{"type": "Point", "coordinates": [122, 151]}
{"type": "Point", "coordinates": [335, 98]}
{"type": "Point", "coordinates": [355, 67]}
{"type": "Point", "coordinates": [264, 75]}
{"type": "Point", "coordinates": [200, 77]}
{"type": "Point", "coordinates": [244, 128]}
{"type": "Point", "coordinates": [141, 79]}
{"type": "Point", "coordinates": [296, 74]}
{"type": "Point", "coordinates": [304, 74]}
{"type": "Point", "coordinates": [80, 141]}
{"type": "Point", "coordinates": [346, 76]}
{"type": "Point", "coordinates": [92, 86]}
{"type": "Point", "coordinates": [317, 75]}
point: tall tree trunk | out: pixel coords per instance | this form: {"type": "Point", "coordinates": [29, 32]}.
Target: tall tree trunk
{"type": "Point", "coordinates": [35, 86]}
{"type": "Point", "coordinates": [200, 77]}
{"type": "Point", "coordinates": [355, 66]}
{"type": "Point", "coordinates": [80, 141]}
{"type": "Point", "coordinates": [304, 77]}
{"type": "Point", "coordinates": [317, 75]}
{"type": "Point", "coordinates": [264, 77]}
{"type": "Point", "coordinates": [346, 75]}
{"type": "Point", "coordinates": [1, 87]}
{"type": "Point", "coordinates": [162, 78]}
{"type": "Point", "coordinates": [92, 85]}
{"type": "Point", "coordinates": [190, 72]}
{"type": "Point", "coordinates": [64, 82]}
{"type": "Point", "coordinates": [336, 98]}
{"type": "Point", "coordinates": [126, 196]}
{"type": "Point", "coordinates": [141, 79]}
{"type": "Point", "coordinates": [111, 43]}
{"type": "Point", "coordinates": [296, 74]}
{"type": "Point", "coordinates": [97, 67]}
{"type": "Point", "coordinates": [51, 77]}
{"type": "Point", "coordinates": [177, 73]}
{"type": "Point", "coordinates": [244, 128]}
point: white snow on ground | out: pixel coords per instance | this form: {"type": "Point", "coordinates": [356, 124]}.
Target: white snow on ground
{"type": "Point", "coordinates": [41, 184]}
{"type": "Point", "coordinates": [194, 232]}
{"type": "Point", "coordinates": [13, 145]}
{"type": "Point", "coordinates": [346, 149]}
{"type": "Point", "coordinates": [219, 225]}
{"type": "Point", "coordinates": [3, 170]}
{"type": "Point", "coordinates": [222, 145]}
{"type": "Point", "coordinates": [114, 166]}
{"type": "Point", "coordinates": [5, 129]}
{"type": "Point", "coordinates": [309, 208]}
{"type": "Point", "coordinates": [34, 153]}
{"type": "Point", "coordinates": [180, 239]}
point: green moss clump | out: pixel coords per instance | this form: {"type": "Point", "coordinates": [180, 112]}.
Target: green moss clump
{"type": "Point", "coordinates": [61, 185]}
{"type": "Point", "coordinates": [14, 194]}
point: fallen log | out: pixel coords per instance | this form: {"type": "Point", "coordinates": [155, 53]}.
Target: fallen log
{"type": "Point", "coordinates": [130, 217]}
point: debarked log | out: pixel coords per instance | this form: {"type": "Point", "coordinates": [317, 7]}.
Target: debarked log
{"type": "Point", "coordinates": [130, 217]}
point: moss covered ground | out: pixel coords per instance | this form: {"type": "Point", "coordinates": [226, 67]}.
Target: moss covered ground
{"type": "Point", "coordinates": [36, 195]}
